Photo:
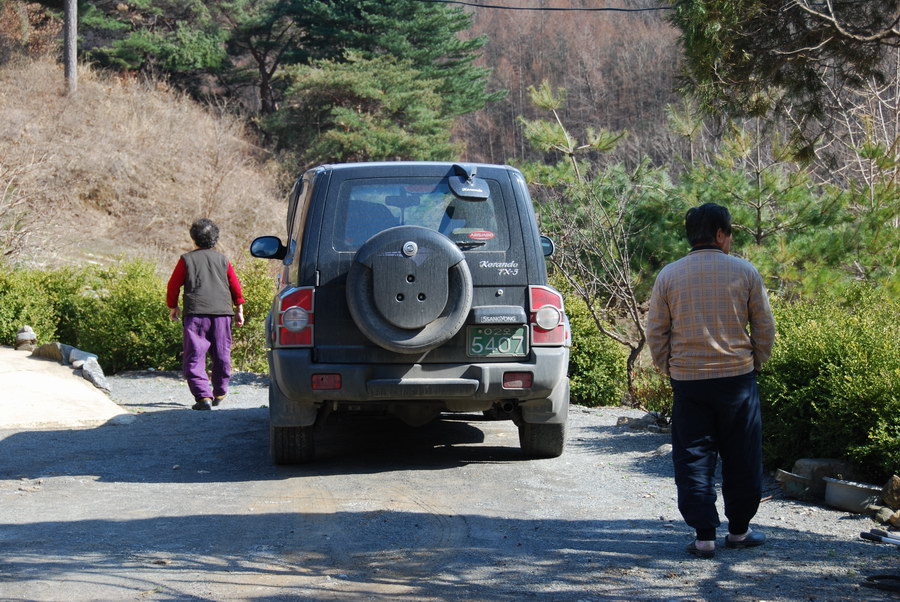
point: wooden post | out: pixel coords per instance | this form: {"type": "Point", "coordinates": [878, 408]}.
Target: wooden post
{"type": "Point", "coordinates": [71, 41]}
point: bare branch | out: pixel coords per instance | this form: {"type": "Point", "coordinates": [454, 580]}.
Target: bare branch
{"type": "Point", "coordinates": [891, 31]}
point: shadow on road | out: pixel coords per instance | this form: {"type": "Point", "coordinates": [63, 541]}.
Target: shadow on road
{"type": "Point", "coordinates": [469, 557]}
{"type": "Point", "coordinates": [344, 542]}
{"type": "Point", "coordinates": [181, 446]}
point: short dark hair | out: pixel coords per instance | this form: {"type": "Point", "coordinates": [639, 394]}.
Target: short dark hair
{"type": "Point", "coordinates": [205, 233]}
{"type": "Point", "coordinates": [702, 223]}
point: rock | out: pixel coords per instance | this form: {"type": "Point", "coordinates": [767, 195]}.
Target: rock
{"type": "Point", "coordinates": [794, 485]}
{"type": "Point", "coordinates": [883, 514]}
{"type": "Point", "coordinates": [663, 450]}
{"type": "Point", "coordinates": [54, 351]}
{"type": "Point", "coordinates": [92, 371]}
{"type": "Point", "coordinates": [80, 360]}
{"type": "Point", "coordinates": [77, 357]}
{"type": "Point", "coordinates": [66, 351]}
{"type": "Point", "coordinates": [623, 421]}
{"type": "Point", "coordinates": [50, 351]}
{"type": "Point", "coordinates": [643, 422]}
{"type": "Point", "coordinates": [891, 492]}
{"type": "Point", "coordinates": [895, 519]}
{"type": "Point", "coordinates": [817, 468]}
{"type": "Point", "coordinates": [26, 340]}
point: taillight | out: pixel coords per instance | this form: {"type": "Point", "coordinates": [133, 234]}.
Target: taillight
{"type": "Point", "coordinates": [517, 380]}
{"type": "Point", "coordinates": [326, 382]}
{"type": "Point", "coordinates": [546, 317]}
{"type": "Point", "coordinates": [296, 317]}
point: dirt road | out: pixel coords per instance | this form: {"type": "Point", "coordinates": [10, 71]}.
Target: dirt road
{"type": "Point", "coordinates": [180, 504]}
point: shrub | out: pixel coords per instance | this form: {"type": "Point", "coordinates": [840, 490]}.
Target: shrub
{"type": "Point", "coordinates": [832, 386]}
{"type": "Point", "coordinates": [122, 318]}
{"type": "Point", "coordinates": [22, 301]}
{"type": "Point", "coordinates": [597, 363]}
{"type": "Point", "coordinates": [248, 352]}
{"type": "Point", "coordinates": [40, 299]}
{"type": "Point", "coordinates": [653, 392]}
{"type": "Point", "coordinates": [119, 314]}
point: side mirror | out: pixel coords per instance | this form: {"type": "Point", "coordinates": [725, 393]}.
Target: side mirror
{"type": "Point", "coordinates": [268, 247]}
{"type": "Point", "coordinates": [547, 246]}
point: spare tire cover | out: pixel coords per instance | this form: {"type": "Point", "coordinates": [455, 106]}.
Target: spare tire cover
{"type": "Point", "coordinates": [409, 289]}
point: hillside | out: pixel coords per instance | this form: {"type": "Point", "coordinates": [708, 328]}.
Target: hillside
{"type": "Point", "coordinates": [121, 169]}
{"type": "Point", "coordinates": [618, 70]}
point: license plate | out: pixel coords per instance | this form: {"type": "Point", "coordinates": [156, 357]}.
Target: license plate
{"type": "Point", "coordinates": [497, 341]}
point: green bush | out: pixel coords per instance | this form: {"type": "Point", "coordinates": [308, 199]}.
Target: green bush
{"type": "Point", "coordinates": [597, 372]}
{"type": "Point", "coordinates": [119, 313]}
{"type": "Point", "coordinates": [65, 286]}
{"type": "Point", "coordinates": [122, 317]}
{"type": "Point", "coordinates": [832, 386]}
{"type": "Point", "coordinates": [37, 298]}
{"type": "Point", "coordinates": [653, 391]}
{"type": "Point", "coordinates": [248, 352]}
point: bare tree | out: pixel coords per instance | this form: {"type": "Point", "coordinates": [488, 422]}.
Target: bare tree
{"type": "Point", "coordinates": [745, 57]}
{"type": "Point", "coordinates": [861, 153]}
{"type": "Point", "coordinates": [617, 69]}
{"type": "Point", "coordinates": [15, 225]}
{"type": "Point", "coordinates": [597, 215]}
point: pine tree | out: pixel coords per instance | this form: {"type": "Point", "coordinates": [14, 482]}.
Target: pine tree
{"type": "Point", "coordinates": [360, 110]}
{"type": "Point", "coordinates": [749, 56]}
{"type": "Point", "coordinates": [425, 34]}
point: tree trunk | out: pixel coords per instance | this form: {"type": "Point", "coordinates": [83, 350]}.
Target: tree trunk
{"type": "Point", "coordinates": [71, 43]}
{"type": "Point", "coordinates": [266, 94]}
{"type": "Point", "coordinates": [630, 364]}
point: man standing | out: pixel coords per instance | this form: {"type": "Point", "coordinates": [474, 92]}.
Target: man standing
{"type": "Point", "coordinates": [697, 331]}
{"type": "Point", "coordinates": [211, 292]}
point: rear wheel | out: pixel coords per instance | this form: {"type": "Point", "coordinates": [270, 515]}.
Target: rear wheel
{"type": "Point", "coordinates": [542, 440]}
{"type": "Point", "coordinates": [292, 444]}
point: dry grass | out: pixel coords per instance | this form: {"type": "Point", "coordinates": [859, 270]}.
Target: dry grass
{"type": "Point", "coordinates": [122, 167]}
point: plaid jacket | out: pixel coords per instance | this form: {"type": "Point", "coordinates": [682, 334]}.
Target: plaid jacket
{"type": "Point", "coordinates": [700, 311]}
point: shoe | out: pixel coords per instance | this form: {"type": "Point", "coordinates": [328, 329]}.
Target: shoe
{"type": "Point", "coordinates": [752, 540]}
{"type": "Point", "coordinates": [202, 404]}
{"type": "Point", "coordinates": [695, 551]}
{"type": "Point", "coordinates": [218, 399]}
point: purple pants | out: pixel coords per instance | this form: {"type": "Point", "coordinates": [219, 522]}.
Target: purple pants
{"type": "Point", "coordinates": [204, 334]}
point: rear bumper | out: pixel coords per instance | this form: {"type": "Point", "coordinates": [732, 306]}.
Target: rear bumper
{"type": "Point", "coordinates": [292, 370]}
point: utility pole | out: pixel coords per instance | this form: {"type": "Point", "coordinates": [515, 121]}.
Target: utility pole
{"type": "Point", "coordinates": [71, 50]}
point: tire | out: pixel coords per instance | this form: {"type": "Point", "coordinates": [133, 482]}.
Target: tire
{"type": "Point", "coordinates": [291, 444]}
{"type": "Point", "coordinates": [544, 440]}
{"type": "Point", "coordinates": [417, 337]}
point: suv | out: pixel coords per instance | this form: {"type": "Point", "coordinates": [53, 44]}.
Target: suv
{"type": "Point", "coordinates": [412, 289]}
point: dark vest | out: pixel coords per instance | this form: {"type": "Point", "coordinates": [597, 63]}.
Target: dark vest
{"type": "Point", "coordinates": [206, 288]}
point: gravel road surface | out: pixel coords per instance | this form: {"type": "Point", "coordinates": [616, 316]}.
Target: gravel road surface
{"type": "Point", "coordinates": [179, 504]}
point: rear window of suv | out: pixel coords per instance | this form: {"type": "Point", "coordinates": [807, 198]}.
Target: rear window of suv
{"type": "Point", "coordinates": [368, 206]}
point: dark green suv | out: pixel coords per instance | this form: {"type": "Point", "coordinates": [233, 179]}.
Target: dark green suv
{"type": "Point", "coordinates": [414, 289]}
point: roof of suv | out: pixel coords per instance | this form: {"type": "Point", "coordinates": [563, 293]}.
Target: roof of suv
{"type": "Point", "coordinates": [389, 164]}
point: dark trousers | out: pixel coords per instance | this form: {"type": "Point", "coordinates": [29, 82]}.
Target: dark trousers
{"type": "Point", "coordinates": [712, 418]}
{"type": "Point", "coordinates": [207, 334]}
